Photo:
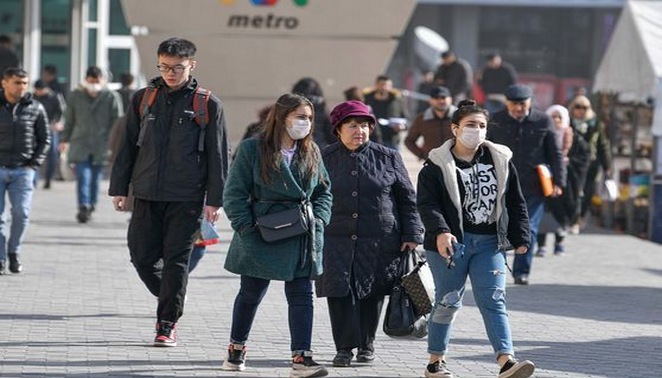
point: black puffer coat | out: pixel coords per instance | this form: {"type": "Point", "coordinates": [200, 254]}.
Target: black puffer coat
{"type": "Point", "coordinates": [374, 212]}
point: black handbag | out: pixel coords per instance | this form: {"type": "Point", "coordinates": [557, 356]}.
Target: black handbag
{"type": "Point", "coordinates": [402, 320]}
{"type": "Point", "coordinates": [284, 224]}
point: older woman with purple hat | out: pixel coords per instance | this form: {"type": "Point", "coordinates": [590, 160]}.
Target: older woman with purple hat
{"type": "Point", "coordinates": [373, 220]}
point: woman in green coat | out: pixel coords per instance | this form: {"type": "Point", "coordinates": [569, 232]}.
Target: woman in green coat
{"type": "Point", "coordinates": [272, 172]}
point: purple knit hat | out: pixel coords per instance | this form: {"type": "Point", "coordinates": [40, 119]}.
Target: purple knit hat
{"type": "Point", "coordinates": [350, 109]}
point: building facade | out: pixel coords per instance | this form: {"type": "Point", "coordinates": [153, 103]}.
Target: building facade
{"type": "Point", "coordinates": [71, 35]}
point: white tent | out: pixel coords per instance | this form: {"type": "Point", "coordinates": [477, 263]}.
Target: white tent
{"type": "Point", "coordinates": [632, 64]}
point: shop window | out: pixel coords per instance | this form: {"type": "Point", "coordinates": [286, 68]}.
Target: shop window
{"type": "Point", "coordinates": [118, 24]}
{"type": "Point", "coordinates": [11, 22]}
{"type": "Point", "coordinates": [120, 62]}
{"type": "Point", "coordinates": [55, 39]}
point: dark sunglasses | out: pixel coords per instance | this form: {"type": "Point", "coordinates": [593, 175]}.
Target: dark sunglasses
{"type": "Point", "coordinates": [581, 107]}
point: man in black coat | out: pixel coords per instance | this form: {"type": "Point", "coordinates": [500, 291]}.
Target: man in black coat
{"type": "Point", "coordinates": [24, 140]}
{"type": "Point", "coordinates": [175, 166]}
{"type": "Point", "coordinates": [530, 134]}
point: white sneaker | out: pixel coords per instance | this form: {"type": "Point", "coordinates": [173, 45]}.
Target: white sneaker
{"type": "Point", "coordinates": [438, 369]}
{"type": "Point", "coordinates": [517, 369]}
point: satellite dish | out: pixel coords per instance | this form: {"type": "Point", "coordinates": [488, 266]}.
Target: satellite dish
{"type": "Point", "coordinates": [428, 45]}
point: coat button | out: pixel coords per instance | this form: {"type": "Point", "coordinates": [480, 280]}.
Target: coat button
{"type": "Point", "coordinates": [355, 215]}
{"type": "Point", "coordinates": [354, 194]}
{"type": "Point", "coordinates": [354, 237]}
{"type": "Point", "coordinates": [354, 173]}
{"type": "Point", "coordinates": [353, 154]}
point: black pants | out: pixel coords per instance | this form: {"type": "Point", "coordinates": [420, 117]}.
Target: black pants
{"type": "Point", "coordinates": [354, 321]}
{"type": "Point", "coordinates": [164, 231]}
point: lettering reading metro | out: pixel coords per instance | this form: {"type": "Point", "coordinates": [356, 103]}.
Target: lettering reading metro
{"type": "Point", "coordinates": [263, 22]}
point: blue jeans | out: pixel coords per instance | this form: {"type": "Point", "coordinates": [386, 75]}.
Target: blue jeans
{"type": "Point", "coordinates": [18, 184]}
{"type": "Point", "coordinates": [196, 256]}
{"type": "Point", "coordinates": [299, 294]}
{"type": "Point", "coordinates": [53, 156]}
{"type": "Point", "coordinates": [486, 267]}
{"type": "Point", "coordinates": [536, 208]}
{"type": "Point", "coordinates": [88, 178]}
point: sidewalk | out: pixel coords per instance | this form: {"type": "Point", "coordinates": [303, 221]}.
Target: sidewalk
{"type": "Point", "coordinates": [80, 310]}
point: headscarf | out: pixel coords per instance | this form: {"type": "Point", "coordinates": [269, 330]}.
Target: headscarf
{"type": "Point", "coordinates": [565, 121]}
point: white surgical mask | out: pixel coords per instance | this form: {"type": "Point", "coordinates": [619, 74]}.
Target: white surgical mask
{"type": "Point", "coordinates": [471, 137]}
{"type": "Point", "coordinates": [300, 128]}
{"type": "Point", "coordinates": [93, 87]}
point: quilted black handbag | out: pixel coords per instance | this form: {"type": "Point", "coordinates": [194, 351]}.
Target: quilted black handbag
{"type": "Point", "coordinates": [402, 320]}
{"type": "Point", "coordinates": [284, 224]}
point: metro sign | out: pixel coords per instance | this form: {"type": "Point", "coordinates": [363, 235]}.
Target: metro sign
{"type": "Point", "coordinates": [268, 3]}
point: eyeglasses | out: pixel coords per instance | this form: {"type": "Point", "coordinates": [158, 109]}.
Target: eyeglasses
{"type": "Point", "coordinates": [176, 69]}
{"type": "Point", "coordinates": [581, 107]}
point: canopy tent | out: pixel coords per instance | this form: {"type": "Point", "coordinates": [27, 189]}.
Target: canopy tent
{"type": "Point", "coordinates": [632, 67]}
{"type": "Point", "coordinates": [632, 64]}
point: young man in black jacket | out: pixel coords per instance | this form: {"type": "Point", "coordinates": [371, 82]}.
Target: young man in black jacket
{"type": "Point", "coordinates": [175, 165]}
{"type": "Point", "coordinates": [24, 140]}
{"type": "Point", "coordinates": [530, 135]}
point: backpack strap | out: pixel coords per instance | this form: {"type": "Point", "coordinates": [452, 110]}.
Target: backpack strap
{"type": "Point", "coordinates": [201, 111]}
{"type": "Point", "coordinates": [146, 103]}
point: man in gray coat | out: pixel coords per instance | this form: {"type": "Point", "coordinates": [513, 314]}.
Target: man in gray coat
{"type": "Point", "coordinates": [92, 110]}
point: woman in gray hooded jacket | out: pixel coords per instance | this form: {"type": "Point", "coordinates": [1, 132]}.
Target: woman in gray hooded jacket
{"type": "Point", "coordinates": [473, 210]}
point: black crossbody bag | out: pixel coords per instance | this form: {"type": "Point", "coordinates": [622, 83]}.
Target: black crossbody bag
{"type": "Point", "coordinates": [285, 224]}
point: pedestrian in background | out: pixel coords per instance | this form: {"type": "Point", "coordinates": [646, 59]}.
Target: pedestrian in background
{"type": "Point", "coordinates": [8, 57]}
{"type": "Point", "coordinates": [589, 127]}
{"type": "Point", "coordinates": [49, 76]}
{"type": "Point", "coordinates": [278, 170]}
{"type": "Point", "coordinates": [495, 78]}
{"type": "Point", "coordinates": [455, 74]}
{"type": "Point", "coordinates": [565, 208]}
{"type": "Point", "coordinates": [473, 210]}
{"type": "Point", "coordinates": [174, 164]}
{"type": "Point", "coordinates": [373, 220]}
{"type": "Point", "coordinates": [24, 141]}
{"type": "Point", "coordinates": [433, 125]}
{"type": "Point", "coordinates": [531, 135]}
{"type": "Point", "coordinates": [312, 90]}
{"type": "Point", "coordinates": [54, 104]}
{"type": "Point", "coordinates": [389, 109]}
{"type": "Point", "coordinates": [127, 90]}
{"type": "Point", "coordinates": [92, 110]}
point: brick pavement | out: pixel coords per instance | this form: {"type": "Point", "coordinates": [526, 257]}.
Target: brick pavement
{"type": "Point", "coordinates": [79, 310]}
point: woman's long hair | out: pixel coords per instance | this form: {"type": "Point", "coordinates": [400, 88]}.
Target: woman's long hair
{"type": "Point", "coordinates": [307, 155]}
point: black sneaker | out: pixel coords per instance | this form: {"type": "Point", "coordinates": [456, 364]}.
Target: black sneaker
{"type": "Point", "coordinates": [365, 356]}
{"type": "Point", "coordinates": [236, 358]}
{"type": "Point", "coordinates": [304, 366]}
{"type": "Point", "coordinates": [83, 214]}
{"type": "Point", "coordinates": [3, 267]}
{"type": "Point", "coordinates": [343, 358]}
{"type": "Point", "coordinates": [14, 265]}
{"type": "Point", "coordinates": [517, 369]}
{"type": "Point", "coordinates": [166, 335]}
{"type": "Point", "coordinates": [521, 280]}
{"type": "Point", "coordinates": [438, 369]}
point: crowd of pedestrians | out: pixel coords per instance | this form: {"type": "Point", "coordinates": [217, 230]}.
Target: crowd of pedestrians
{"type": "Point", "coordinates": [337, 175]}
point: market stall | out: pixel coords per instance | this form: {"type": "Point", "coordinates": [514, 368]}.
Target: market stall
{"type": "Point", "coordinates": [629, 80]}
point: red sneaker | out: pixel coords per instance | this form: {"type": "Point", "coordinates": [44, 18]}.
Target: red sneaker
{"type": "Point", "coordinates": [166, 335]}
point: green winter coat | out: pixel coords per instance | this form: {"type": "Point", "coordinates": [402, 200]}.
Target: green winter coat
{"type": "Point", "coordinates": [87, 124]}
{"type": "Point", "coordinates": [248, 254]}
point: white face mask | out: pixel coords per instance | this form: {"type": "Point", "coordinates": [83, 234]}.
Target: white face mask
{"type": "Point", "coordinates": [300, 128]}
{"type": "Point", "coordinates": [471, 137]}
{"type": "Point", "coordinates": [93, 87]}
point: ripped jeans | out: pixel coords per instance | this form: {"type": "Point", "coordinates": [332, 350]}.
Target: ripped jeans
{"type": "Point", "coordinates": [486, 267]}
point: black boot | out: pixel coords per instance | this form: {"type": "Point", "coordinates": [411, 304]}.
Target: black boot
{"type": "Point", "coordinates": [14, 265]}
{"type": "Point", "coordinates": [83, 214]}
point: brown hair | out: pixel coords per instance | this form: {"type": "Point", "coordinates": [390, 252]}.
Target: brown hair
{"type": "Point", "coordinates": [307, 156]}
